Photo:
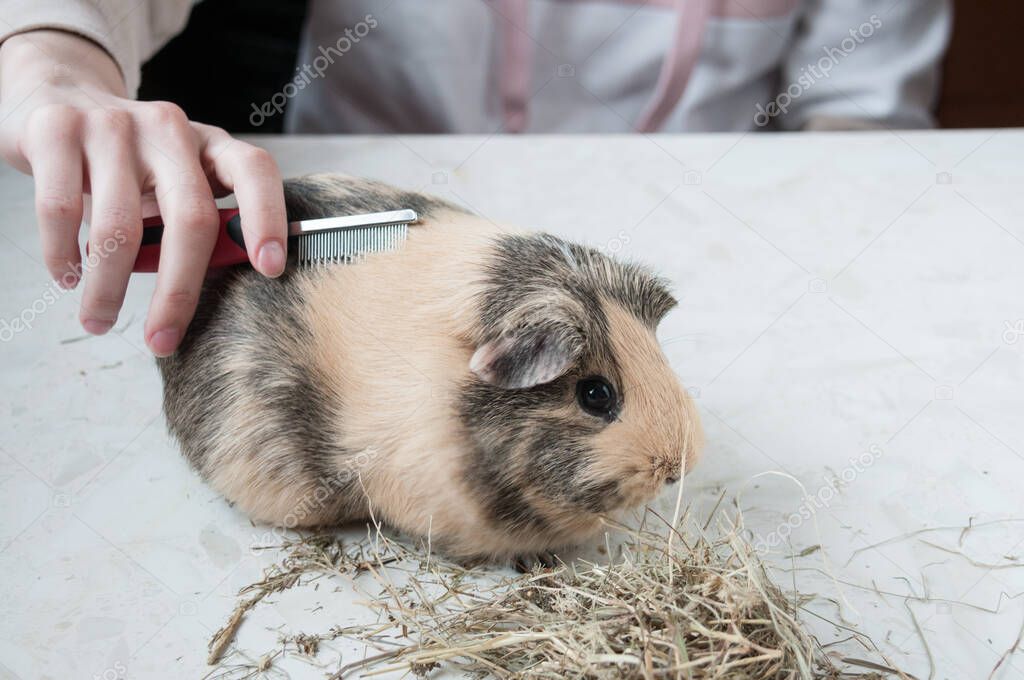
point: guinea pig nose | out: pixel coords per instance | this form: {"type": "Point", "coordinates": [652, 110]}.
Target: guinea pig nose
{"type": "Point", "coordinates": [671, 479]}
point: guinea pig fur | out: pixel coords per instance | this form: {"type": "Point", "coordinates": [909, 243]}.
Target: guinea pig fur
{"type": "Point", "coordinates": [496, 389]}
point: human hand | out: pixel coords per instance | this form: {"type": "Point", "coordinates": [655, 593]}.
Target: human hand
{"type": "Point", "coordinates": [65, 119]}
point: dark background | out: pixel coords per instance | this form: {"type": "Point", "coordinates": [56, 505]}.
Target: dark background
{"type": "Point", "coordinates": [983, 74]}
{"type": "Point", "coordinates": [232, 53]}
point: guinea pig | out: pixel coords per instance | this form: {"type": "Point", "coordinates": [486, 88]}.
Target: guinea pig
{"type": "Point", "coordinates": [494, 389]}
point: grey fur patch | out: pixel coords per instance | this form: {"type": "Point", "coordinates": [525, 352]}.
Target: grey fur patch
{"type": "Point", "coordinates": [324, 195]}
{"type": "Point", "coordinates": [244, 314]}
{"type": "Point", "coordinates": [537, 264]}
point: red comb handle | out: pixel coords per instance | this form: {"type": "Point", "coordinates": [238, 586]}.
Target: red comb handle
{"type": "Point", "coordinates": [228, 250]}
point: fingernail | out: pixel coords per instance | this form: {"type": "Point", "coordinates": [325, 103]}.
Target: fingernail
{"type": "Point", "coordinates": [270, 258]}
{"type": "Point", "coordinates": [96, 326]}
{"type": "Point", "coordinates": [163, 343]}
{"type": "Point", "coordinates": [68, 281]}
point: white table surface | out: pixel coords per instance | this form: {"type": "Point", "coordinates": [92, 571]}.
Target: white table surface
{"type": "Point", "coordinates": [838, 293]}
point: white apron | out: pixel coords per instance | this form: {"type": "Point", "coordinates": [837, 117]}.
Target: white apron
{"type": "Point", "coordinates": [411, 66]}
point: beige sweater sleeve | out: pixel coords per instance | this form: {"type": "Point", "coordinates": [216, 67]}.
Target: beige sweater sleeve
{"type": "Point", "coordinates": [130, 30]}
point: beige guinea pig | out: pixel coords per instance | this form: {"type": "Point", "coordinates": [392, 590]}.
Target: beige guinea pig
{"type": "Point", "coordinates": [494, 389]}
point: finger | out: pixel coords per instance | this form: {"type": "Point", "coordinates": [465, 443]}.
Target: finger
{"type": "Point", "coordinates": [190, 220]}
{"type": "Point", "coordinates": [115, 227]}
{"type": "Point", "coordinates": [252, 174]}
{"type": "Point", "coordinates": [53, 149]}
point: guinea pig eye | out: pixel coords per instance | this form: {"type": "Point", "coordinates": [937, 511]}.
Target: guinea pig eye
{"type": "Point", "coordinates": [596, 396]}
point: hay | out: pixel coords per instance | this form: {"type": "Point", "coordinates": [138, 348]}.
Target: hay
{"type": "Point", "coordinates": [672, 604]}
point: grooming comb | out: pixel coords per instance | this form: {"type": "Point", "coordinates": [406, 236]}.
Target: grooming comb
{"type": "Point", "coordinates": [330, 239]}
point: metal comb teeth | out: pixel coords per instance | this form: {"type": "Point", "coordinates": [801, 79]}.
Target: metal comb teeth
{"type": "Point", "coordinates": [349, 244]}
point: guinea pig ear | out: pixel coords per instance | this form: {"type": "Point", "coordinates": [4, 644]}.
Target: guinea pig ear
{"type": "Point", "coordinates": [527, 357]}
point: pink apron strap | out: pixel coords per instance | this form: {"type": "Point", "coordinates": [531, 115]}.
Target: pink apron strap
{"type": "Point", "coordinates": [691, 20]}
{"type": "Point", "coordinates": [515, 64]}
